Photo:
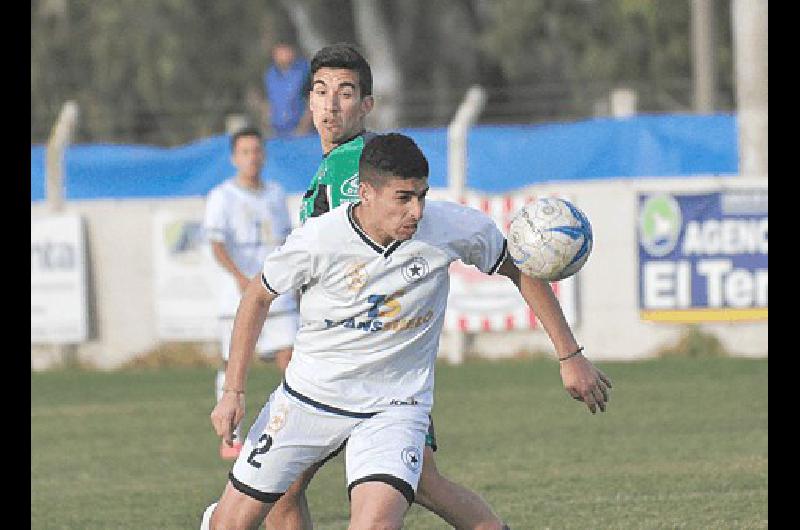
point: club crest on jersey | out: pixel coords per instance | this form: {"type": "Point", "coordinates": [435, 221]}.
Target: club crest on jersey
{"type": "Point", "coordinates": [350, 186]}
{"type": "Point", "coordinates": [411, 458]}
{"type": "Point", "coordinates": [416, 269]}
{"type": "Point", "coordinates": [356, 277]}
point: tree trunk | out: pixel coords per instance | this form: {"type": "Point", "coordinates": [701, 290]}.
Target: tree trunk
{"type": "Point", "coordinates": [310, 38]}
{"type": "Point", "coordinates": [374, 35]}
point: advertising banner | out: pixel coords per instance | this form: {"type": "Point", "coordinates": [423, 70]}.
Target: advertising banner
{"type": "Point", "coordinates": [185, 276]}
{"type": "Point", "coordinates": [703, 257]}
{"type": "Point", "coordinates": [59, 289]}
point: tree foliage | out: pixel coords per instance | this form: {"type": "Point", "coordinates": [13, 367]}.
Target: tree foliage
{"type": "Point", "coordinates": [170, 71]}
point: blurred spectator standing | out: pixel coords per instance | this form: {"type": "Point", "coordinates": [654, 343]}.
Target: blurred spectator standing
{"type": "Point", "coordinates": [285, 87]}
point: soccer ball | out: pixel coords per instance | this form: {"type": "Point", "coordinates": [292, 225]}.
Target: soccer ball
{"type": "Point", "coordinates": [550, 239]}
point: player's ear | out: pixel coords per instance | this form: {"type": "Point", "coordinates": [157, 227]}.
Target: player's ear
{"type": "Point", "coordinates": [366, 105]}
{"type": "Point", "coordinates": [365, 191]}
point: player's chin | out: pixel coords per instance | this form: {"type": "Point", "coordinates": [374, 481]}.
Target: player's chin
{"type": "Point", "coordinates": [405, 232]}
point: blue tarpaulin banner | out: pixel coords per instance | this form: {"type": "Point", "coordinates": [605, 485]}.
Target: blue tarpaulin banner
{"type": "Point", "coordinates": [500, 158]}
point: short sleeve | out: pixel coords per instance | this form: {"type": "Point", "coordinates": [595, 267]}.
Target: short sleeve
{"type": "Point", "coordinates": [214, 222]}
{"type": "Point", "coordinates": [487, 244]}
{"type": "Point", "coordinates": [291, 265]}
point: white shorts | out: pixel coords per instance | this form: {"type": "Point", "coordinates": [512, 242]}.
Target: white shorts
{"type": "Point", "coordinates": [289, 435]}
{"type": "Point", "coordinates": [278, 333]}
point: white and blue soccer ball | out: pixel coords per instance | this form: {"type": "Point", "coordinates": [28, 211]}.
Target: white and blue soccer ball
{"type": "Point", "coordinates": [550, 239]}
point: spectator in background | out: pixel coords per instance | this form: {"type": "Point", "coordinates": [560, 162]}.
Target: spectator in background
{"type": "Point", "coordinates": [285, 87]}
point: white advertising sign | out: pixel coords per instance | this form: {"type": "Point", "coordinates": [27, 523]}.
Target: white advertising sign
{"type": "Point", "coordinates": [59, 307]}
{"type": "Point", "coordinates": [185, 276]}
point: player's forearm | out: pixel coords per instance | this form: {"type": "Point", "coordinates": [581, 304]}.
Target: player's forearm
{"type": "Point", "coordinates": [540, 297]}
{"type": "Point", "coordinates": [224, 259]}
{"type": "Point", "coordinates": [250, 317]}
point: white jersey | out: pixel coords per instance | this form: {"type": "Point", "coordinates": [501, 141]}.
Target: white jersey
{"type": "Point", "coordinates": [371, 316]}
{"type": "Point", "coordinates": [251, 224]}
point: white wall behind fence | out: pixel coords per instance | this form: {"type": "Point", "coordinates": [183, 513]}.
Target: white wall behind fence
{"type": "Point", "coordinates": [121, 278]}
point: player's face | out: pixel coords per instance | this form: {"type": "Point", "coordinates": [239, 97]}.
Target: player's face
{"type": "Point", "coordinates": [399, 205]}
{"type": "Point", "coordinates": [337, 107]}
{"type": "Point", "coordinates": [248, 157]}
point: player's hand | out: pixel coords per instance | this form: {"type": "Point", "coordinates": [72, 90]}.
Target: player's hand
{"type": "Point", "coordinates": [227, 415]}
{"type": "Point", "coordinates": [585, 382]}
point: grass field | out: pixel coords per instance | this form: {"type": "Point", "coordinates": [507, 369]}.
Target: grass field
{"type": "Point", "coordinates": [683, 444]}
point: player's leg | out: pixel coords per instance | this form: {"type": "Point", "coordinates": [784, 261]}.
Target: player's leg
{"type": "Point", "coordinates": [384, 461]}
{"type": "Point", "coordinates": [461, 507]}
{"type": "Point", "coordinates": [291, 511]}
{"type": "Point", "coordinates": [376, 505]}
{"type": "Point", "coordinates": [284, 441]}
{"type": "Point", "coordinates": [234, 510]}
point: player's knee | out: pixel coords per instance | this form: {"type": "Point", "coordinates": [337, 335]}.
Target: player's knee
{"type": "Point", "coordinates": [224, 519]}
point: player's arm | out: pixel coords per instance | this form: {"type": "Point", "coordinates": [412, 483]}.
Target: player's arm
{"type": "Point", "coordinates": [582, 380]}
{"type": "Point", "coordinates": [250, 317]}
{"type": "Point", "coordinates": [226, 262]}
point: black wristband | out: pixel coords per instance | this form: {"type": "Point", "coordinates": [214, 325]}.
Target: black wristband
{"type": "Point", "coordinates": [573, 354]}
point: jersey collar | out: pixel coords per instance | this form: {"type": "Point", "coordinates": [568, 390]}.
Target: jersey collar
{"type": "Point", "coordinates": [362, 133]}
{"type": "Point", "coordinates": [385, 251]}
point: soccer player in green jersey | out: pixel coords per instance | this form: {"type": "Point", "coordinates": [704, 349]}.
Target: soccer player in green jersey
{"type": "Point", "coordinates": [338, 109]}
{"type": "Point", "coordinates": [340, 98]}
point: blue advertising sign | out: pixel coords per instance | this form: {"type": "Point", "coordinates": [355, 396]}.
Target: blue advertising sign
{"type": "Point", "coordinates": [703, 257]}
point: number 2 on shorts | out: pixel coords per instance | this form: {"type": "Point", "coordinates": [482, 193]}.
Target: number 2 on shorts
{"type": "Point", "coordinates": [260, 450]}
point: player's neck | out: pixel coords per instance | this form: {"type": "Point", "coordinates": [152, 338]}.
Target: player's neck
{"type": "Point", "coordinates": [364, 220]}
{"type": "Point", "coordinates": [330, 145]}
{"type": "Point", "coordinates": [249, 183]}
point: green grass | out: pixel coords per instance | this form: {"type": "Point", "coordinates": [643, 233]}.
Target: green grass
{"type": "Point", "coordinates": [683, 444]}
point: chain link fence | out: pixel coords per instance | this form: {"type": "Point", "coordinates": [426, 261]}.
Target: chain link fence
{"type": "Point", "coordinates": [178, 124]}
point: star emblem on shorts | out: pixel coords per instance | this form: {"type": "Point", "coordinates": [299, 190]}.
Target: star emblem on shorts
{"type": "Point", "coordinates": [411, 458]}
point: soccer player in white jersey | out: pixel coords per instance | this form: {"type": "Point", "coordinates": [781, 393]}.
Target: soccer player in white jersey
{"type": "Point", "coordinates": [374, 277]}
{"type": "Point", "coordinates": [245, 219]}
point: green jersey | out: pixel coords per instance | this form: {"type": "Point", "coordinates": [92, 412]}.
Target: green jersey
{"type": "Point", "coordinates": [336, 180]}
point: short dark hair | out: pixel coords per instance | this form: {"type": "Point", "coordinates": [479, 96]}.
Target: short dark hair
{"type": "Point", "coordinates": [343, 55]}
{"type": "Point", "coordinates": [391, 155]}
{"type": "Point", "coordinates": [245, 131]}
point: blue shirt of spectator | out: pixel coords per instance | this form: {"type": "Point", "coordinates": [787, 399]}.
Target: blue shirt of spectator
{"type": "Point", "coordinates": [284, 90]}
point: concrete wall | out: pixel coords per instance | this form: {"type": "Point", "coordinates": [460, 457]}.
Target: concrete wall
{"type": "Point", "coordinates": [121, 279]}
